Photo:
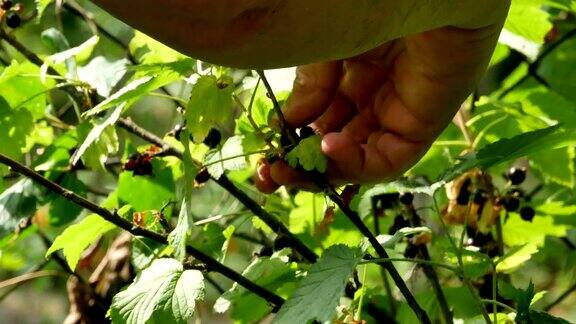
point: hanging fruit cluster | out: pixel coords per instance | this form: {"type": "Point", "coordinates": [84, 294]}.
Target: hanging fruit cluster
{"type": "Point", "coordinates": [475, 202]}
{"type": "Point", "coordinates": [402, 205]}
{"type": "Point", "coordinates": [10, 13]}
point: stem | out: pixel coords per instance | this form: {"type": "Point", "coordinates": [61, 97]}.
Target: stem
{"type": "Point", "coordinates": [431, 273]}
{"type": "Point", "coordinates": [224, 182]}
{"type": "Point", "coordinates": [321, 182]}
{"type": "Point", "coordinates": [465, 278]}
{"type": "Point", "coordinates": [115, 219]}
{"type": "Point", "coordinates": [28, 276]}
{"type": "Point", "coordinates": [561, 298]}
{"type": "Point", "coordinates": [489, 301]}
{"type": "Point", "coordinates": [417, 261]}
{"type": "Point", "coordinates": [383, 273]}
{"type": "Point", "coordinates": [288, 131]}
{"type": "Point", "coordinates": [13, 288]}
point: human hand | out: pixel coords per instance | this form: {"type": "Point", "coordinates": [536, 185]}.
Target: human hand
{"type": "Point", "coordinates": [380, 112]}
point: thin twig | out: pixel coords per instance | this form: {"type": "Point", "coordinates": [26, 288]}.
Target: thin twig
{"type": "Point", "coordinates": [276, 225]}
{"type": "Point", "coordinates": [431, 273]}
{"type": "Point", "coordinates": [13, 288]}
{"type": "Point", "coordinates": [321, 182]}
{"type": "Point", "coordinates": [285, 128]}
{"type": "Point", "coordinates": [560, 298]}
{"type": "Point", "coordinates": [28, 276]}
{"type": "Point", "coordinates": [114, 218]}
{"type": "Point", "coordinates": [383, 273]}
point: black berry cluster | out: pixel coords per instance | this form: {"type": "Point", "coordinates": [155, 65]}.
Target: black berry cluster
{"type": "Point", "coordinates": [202, 177]}
{"type": "Point", "coordinates": [12, 10]}
{"type": "Point", "coordinates": [139, 164]}
{"type": "Point", "coordinates": [213, 138]}
{"type": "Point", "coordinates": [515, 197]}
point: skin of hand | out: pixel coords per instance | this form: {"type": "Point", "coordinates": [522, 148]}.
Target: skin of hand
{"type": "Point", "coordinates": [394, 72]}
{"type": "Point", "coordinates": [380, 112]}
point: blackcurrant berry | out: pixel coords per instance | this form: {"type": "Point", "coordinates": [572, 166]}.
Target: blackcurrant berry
{"type": "Point", "coordinates": [411, 251]}
{"type": "Point", "coordinates": [407, 198]}
{"type": "Point", "coordinates": [480, 197]}
{"type": "Point", "coordinates": [386, 201]}
{"type": "Point", "coordinates": [13, 20]}
{"type": "Point", "coordinates": [399, 223]}
{"type": "Point", "coordinates": [527, 213]}
{"type": "Point", "coordinates": [7, 5]}
{"type": "Point", "coordinates": [202, 177]}
{"type": "Point", "coordinates": [285, 142]}
{"type": "Point", "coordinates": [265, 251]}
{"type": "Point", "coordinates": [130, 165]}
{"type": "Point", "coordinates": [143, 166]}
{"type": "Point", "coordinates": [464, 193]}
{"type": "Point", "coordinates": [306, 132]}
{"type": "Point", "coordinates": [281, 242]}
{"type": "Point", "coordinates": [511, 203]}
{"type": "Point", "coordinates": [516, 175]}
{"type": "Point", "coordinates": [481, 239]}
{"type": "Point", "coordinates": [213, 138]}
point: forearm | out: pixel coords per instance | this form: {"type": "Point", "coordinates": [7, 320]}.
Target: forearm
{"type": "Point", "coordinates": [275, 33]}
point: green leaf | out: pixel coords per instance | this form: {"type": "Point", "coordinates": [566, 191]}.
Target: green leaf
{"type": "Point", "coordinates": [523, 299]}
{"type": "Point", "coordinates": [229, 158]}
{"type": "Point", "coordinates": [515, 258]}
{"type": "Point", "coordinates": [102, 74]}
{"type": "Point", "coordinates": [15, 126]}
{"type": "Point", "coordinates": [133, 91]}
{"type": "Point", "coordinates": [308, 154]}
{"type": "Point", "coordinates": [41, 6]}
{"type": "Point", "coordinates": [148, 50]}
{"type": "Point", "coordinates": [76, 238]}
{"type": "Point", "coordinates": [144, 252]}
{"type": "Point", "coordinates": [541, 317]}
{"type": "Point", "coordinates": [520, 232]}
{"type": "Point", "coordinates": [274, 273]}
{"type": "Point", "coordinates": [179, 236]}
{"type": "Point", "coordinates": [146, 193]}
{"type": "Point", "coordinates": [559, 69]}
{"type": "Point", "coordinates": [94, 135]}
{"type": "Point", "coordinates": [509, 149]}
{"type": "Point", "coordinates": [308, 212]}
{"type": "Point", "coordinates": [390, 241]}
{"type": "Point", "coordinates": [162, 293]}
{"type": "Point", "coordinates": [528, 24]}
{"type": "Point", "coordinates": [211, 240]}
{"type": "Point", "coordinates": [21, 88]}
{"type": "Point", "coordinates": [319, 293]}
{"type": "Point", "coordinates": [96, 154]}
{"type": "Point", "coordinates": [69, 56]}
{"type": "Point", "coordinates": [16, 203]}
{"type": "Point", "coordinates": [62, 211]}
{"type": "Point", "coordinates": [209, 105]}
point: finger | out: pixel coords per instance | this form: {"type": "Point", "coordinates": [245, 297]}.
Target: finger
{"type": "Point", "coordinates": [387, 155]}
{"type": "Point", "coordinates": [346, 157]}
{"type": "Point", "coordinates": [262, 179]}
{"type": "Point", "coordinates": [360, 80]}
{"type": "Point", "coordinates": [314, 88]}
{"type": "Point", "coordinates": [340, 112]}
{"type": "Point", "coordinates": [383, 157]}
{"type": "Point", "coordinates": [285, 175]}
{"type": "Point", "coordinates": [361, 126]}
{"type": "Point", "coordinates": [393, 116]}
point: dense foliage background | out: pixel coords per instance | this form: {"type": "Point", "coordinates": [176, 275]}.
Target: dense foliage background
{"type": "Point", "coordinates": [93, 145]}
